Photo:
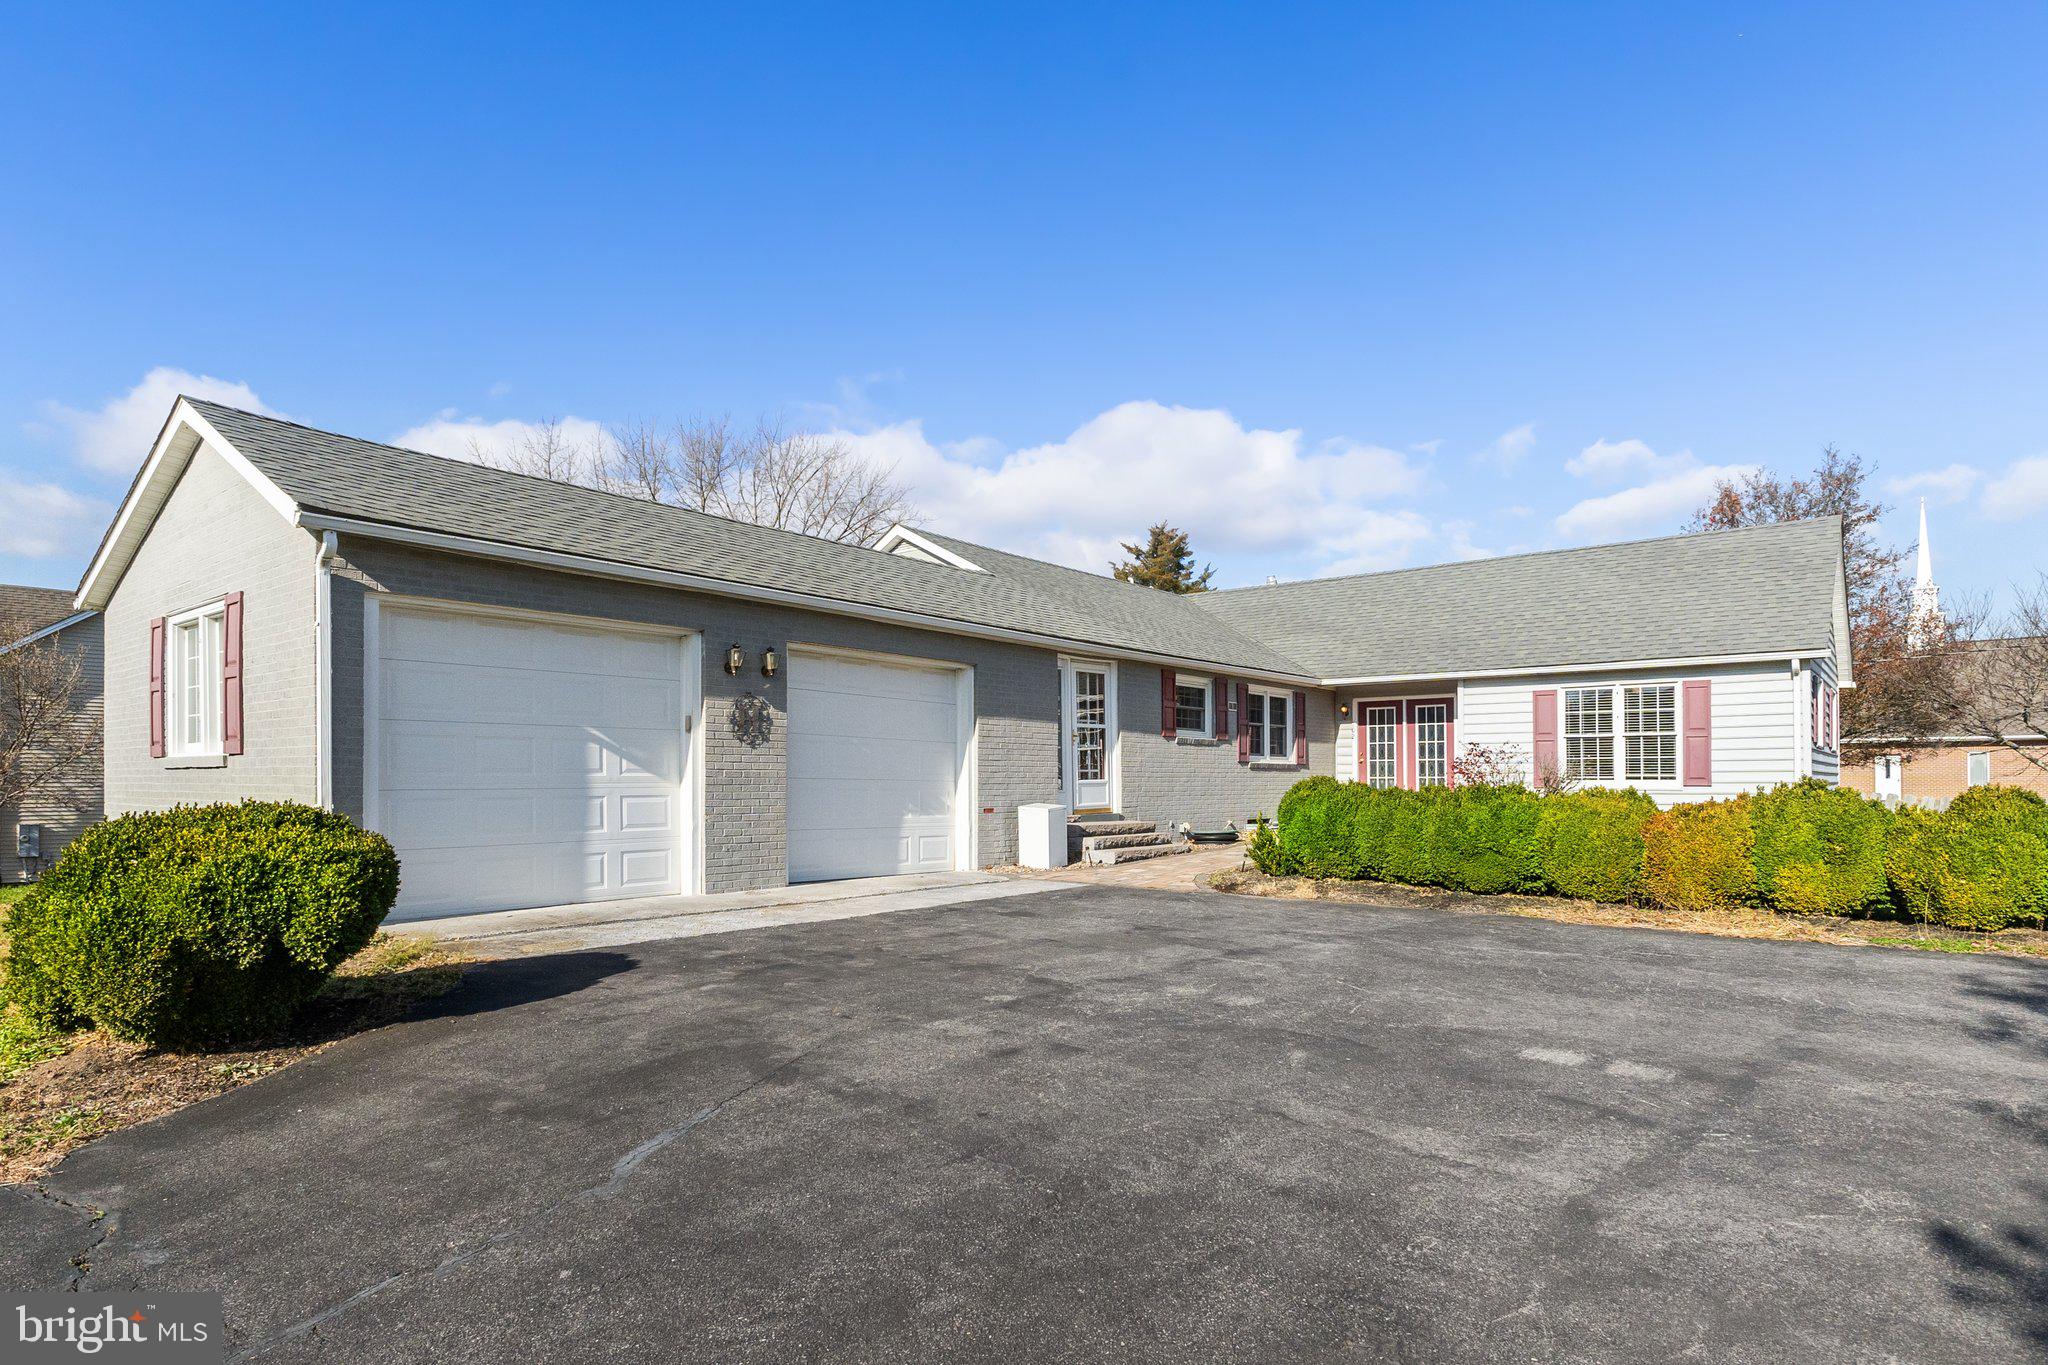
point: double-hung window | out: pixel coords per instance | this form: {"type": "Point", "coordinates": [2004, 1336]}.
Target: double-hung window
{"type": "Point", "coordinates": [1589, 734]}
{"type": "Point", "coordinates": [1267, 725]}
{"type": "Point", "coordinates": [1191, 707]}
{"type": "Point", "coordinates": [1649, 733]}
{"type": "Point", "coordinates": [192, 693]}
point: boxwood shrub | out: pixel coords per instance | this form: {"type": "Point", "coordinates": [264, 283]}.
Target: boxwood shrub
{"type": "Point", "coordinates": [200, 925]}
{"type": "Point", "coordinates": [1819, 849]}
{"type": "Point", "coordinates": [1698, 856]}
{"type": "Point", "coordinates": [1486, 839]}
{"type": "Point", "coordinates": [1980, 864]}
{"type": "Point", "coordinates": [1591, 843]}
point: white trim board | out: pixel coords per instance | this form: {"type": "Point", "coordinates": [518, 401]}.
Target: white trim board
{"type": "Point", "coordinates": [900, 534]}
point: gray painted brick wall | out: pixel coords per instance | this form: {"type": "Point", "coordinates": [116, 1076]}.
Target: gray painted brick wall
{"type": "Point", "coordinates": [1201, 782]}
{"type": "Point", "coordinates": [214, 536]}
{"type": "Point", "coordinates": [1016, 693]}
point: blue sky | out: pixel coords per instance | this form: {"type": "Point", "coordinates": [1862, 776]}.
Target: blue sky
{"type": "Point", "coordinates": [1335, 289]}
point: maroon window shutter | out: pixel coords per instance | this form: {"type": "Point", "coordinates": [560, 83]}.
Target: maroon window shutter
{"type": "Point", "coordinates": [1167, 727]}
{"type": "Point", "coordinates": [156, 688]}
{"type": "Point", "coordinates": [231, 675]}
{"type": "Point", "coordinates": [1543, 734]}
{"type": "Point", "coordinates": [1300, 709]}
{"type": "Point", "coordinates": [1220, 699]}
{"type": "Point", "coordinates": [1699, 732]}
{"type": "Point", "coordinates": [1244, 729]}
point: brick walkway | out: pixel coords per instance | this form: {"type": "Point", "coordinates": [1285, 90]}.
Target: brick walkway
{"type": "Point", "coordinates": [1177, 872]}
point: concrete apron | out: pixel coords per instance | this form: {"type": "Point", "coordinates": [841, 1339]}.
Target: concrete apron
{"type": "Point", "coordinates": [643, 919]}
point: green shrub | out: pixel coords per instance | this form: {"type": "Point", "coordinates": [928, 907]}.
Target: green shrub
{"type": "Point", "coordinates": [1981, 864]}
{"type": "Point", "coordinates": [1411, 847]}
{"type": "Point", "coordinates": [1698, 856]}
{"type": "Point", "coordinates": [200, 925]}
{"type": "Point", "coordinates": [1266, 851]}
{"type": "Point", "coordinates": [1591, 843]}
{"type": "Point", "coordinates": [1486, 839]}
{"type": "Point", "coordinates": [1315, 827]}
{"type": "Point", "coordinates": [1819, 849]}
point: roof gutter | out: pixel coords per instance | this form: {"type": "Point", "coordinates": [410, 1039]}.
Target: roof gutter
{"type": "Point", "coordinates": [49, 630]}
{"type": "Point", "coordinates": [1610, 666]}
{"type": "Point", "coordinates": [604, 568]}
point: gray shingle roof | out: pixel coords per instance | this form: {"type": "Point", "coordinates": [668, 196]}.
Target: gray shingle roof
{"type": "Point", "coordinates": [346, 477]}
{"type": "Point", "coordinates": [1757, 591]}
{"type": "Point", "coordinates": [24, 611]}
{"type": "Point", "coordinates": [1753, 591]}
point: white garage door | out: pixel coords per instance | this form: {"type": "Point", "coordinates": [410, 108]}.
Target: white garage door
{"type": "Point", "coordinates": [526, 762]}
{"type": "Point", "coordinates": [874, 763]}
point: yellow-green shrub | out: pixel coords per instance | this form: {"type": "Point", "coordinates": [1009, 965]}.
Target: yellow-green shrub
{"type": "Point", "coordinates": [1981, 864]}
{"type": "Point", "coordinates": [1819, 849]}
{"type": "Point", "coordinates": [1591, 843]}
{"type": "Point", "coordinates": [1697, 856]}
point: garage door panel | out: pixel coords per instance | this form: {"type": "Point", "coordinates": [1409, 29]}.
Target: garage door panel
{"type": "Point", "coordinates": [527, 763]}
{"type": "Point", "coordinates": [874, 766]}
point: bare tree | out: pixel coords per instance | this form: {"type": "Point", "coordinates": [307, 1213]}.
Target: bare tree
{"type": "Point", "coordinates": [546, 452]}
{"type": "Point", "coordinates": [770, 475]}
{"type": "Point", "coordinates": [2001, 680]}
{"type": "Point", "coordinates": [49, 742]}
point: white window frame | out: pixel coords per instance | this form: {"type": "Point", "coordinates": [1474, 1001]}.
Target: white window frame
{"type": "Point", "coordinates": [1207, 729]}
{"type": "Point", "coordinates": [1264, 733]}
{"type": "Point", "coordinates": [1415, 720]}
{"type": "Point", "coordinates": [1632, 767]}
{"type": "Point", "coordinates": [1574, 768]}
{"type": "Point", "coordinates": [1970, 762]}
{"type": "Point", "coordinates": [186, 695]}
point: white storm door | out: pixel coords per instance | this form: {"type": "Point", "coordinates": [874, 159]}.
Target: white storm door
{"type": "Point", "coordinates": [874, 767]}
{"type": "Point", "coordinates": [1090, 735]}
{"type": "Point", "coordinates": [524, 761]}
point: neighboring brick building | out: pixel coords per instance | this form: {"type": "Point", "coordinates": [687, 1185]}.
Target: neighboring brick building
{"type": "Point", "coordinates": [1937, 774]}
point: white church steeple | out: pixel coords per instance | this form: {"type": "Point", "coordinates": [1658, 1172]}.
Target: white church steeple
{"type": "Point", "coordinates": [1926, 597]}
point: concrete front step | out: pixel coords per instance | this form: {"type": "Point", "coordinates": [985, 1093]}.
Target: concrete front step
{"type": "Point", "coordinates": [1110, 857]}
{"type": "Point", "coordinates": [1095, 841]}
{"type": "Point", "coordinates": [1091, 828]}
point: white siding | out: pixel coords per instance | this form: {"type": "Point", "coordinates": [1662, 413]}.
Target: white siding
{"type": "Point", "coordinates": [1759, 732]}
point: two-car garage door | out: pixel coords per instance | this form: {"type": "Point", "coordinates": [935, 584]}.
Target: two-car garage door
{"type": "Point", "coordinates": [528, 760]}
{"type": "Point", "coordinates": [524, 760]}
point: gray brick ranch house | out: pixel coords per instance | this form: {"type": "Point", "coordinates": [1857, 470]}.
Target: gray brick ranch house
{"type": "Point", "coordinates": [546, 694]}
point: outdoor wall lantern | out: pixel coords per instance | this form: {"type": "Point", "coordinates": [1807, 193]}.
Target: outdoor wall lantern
{"type": "Point", "coordinates": [1343, 708]}
{"type": "Point", "coordinates": [768, 662]}
{"type": "Point", "coordinates": [735, 659]}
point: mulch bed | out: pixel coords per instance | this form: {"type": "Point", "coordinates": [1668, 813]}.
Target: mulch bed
{"type": "Point", "coordinates": [102, 1084]}
{"type": "Point", "coordinates": [1728, 924]}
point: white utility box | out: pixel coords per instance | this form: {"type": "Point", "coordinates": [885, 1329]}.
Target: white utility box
{"type": "Point", "coordinates": [1042, 836]}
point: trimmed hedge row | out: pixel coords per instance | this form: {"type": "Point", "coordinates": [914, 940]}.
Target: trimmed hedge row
{"type": "Point", "coordinates": [1803, 848]}
{"type": "Point", "coordinates": [200, 925]}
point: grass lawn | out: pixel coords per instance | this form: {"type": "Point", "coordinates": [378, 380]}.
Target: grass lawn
{"type": "Point", "coordinates": [60, 1090]}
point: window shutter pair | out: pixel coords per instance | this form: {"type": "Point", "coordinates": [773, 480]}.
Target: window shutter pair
{"type": "Point", "coordinates": [230, 679]}
{"type": "Point", "coordinates": [1300, 709]}
{"type": "Point", "coordinates": [1168, 728]}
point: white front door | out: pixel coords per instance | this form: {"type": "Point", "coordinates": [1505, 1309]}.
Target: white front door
{"type": "Point", "coordinates": [526, 760]}
{"type": "Point", "coordinates": [1890, 777]}
{"type": "Point", "coordinates": [1089, 735]}
{"type": "Point", "coordinates": [875, 767]}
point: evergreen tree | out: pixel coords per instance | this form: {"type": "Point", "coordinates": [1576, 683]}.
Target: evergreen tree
{"type": "Point", "coordinates": [1163, 562]}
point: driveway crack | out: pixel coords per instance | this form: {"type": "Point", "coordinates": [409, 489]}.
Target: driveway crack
{"type": "Point", "coordinates": [621, 1171]}
{"type": "Point", "coordinates": [81, 1264]}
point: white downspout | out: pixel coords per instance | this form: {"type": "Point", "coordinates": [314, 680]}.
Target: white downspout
{"type": "Point", "coordinates": [323, 689]}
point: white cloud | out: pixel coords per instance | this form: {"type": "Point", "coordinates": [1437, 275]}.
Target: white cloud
{"type": "Point", "coordinates": [1658, 507]}
{"type": "Point", "coordinates": [1612, 461]}
{"type": "Point", "coordinates": [45, 521]}
{"type": "Point", "coordinates": [1945, 486]}
{"type": "Point", "coordinates": [115, 437]}
{"type": "Point", "coordinates": [1230, 487]}
{"type": "Point", "coordinates": [1508, 449]}
{"type": "Point", "coordinates": [461, 437]}
{"type": "Point", "coordinates": [2021, 491]}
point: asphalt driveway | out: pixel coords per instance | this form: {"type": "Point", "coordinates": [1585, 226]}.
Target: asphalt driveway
{"type": "Point", "coordinates": [1115, 1123]}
